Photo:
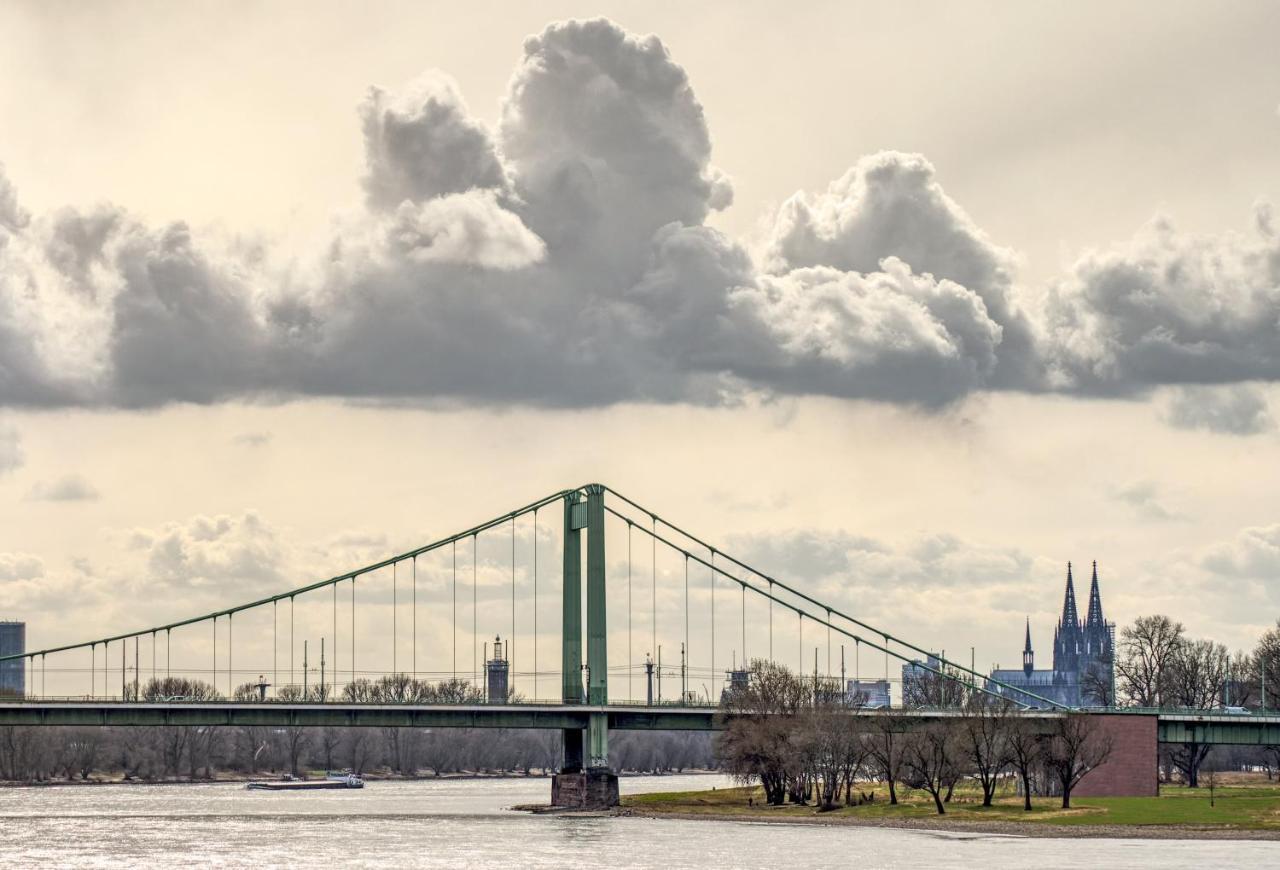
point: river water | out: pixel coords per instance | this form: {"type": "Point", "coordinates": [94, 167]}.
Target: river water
{"type": "Point", "coordinates": [465, 823]}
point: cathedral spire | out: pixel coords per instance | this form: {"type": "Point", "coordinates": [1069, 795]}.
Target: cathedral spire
{"type": "Point", "coordinates": [1094, 617]}
{"type": "Point", "coordinates": [1070, 616]}
{"type": "Point", "coordinates": [1028, 655]}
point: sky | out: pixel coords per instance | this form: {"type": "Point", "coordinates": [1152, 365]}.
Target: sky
{"type": "Point", "coordinates": [909, 305]}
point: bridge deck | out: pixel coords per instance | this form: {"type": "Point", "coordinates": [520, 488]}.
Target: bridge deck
{"type": "Point", "coordinates": [1173, 727]}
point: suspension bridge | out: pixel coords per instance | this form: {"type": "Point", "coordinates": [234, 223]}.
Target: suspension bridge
{"type": "Point", "coordinates": [390, 635]}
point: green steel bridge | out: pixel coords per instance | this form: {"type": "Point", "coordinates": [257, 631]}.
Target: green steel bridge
{"type": "Point", "coordinates": [130, 674]}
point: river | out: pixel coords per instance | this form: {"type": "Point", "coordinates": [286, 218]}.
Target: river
{"type": "Point", "coordinates": [465, 823]}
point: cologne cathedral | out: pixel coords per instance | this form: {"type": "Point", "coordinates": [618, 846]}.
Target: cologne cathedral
{"type": "Point", "coordinates": [1083, 671]}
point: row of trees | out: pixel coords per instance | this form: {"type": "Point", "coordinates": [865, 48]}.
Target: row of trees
{"type": "Point", "coordinates": [43, 754]}
{"type": "Point", "coordinates": [1159, 665]}
{"type": "Point", "coordinates": [196, 752]}
{"type": "Point", "coordinates": [801, 745]}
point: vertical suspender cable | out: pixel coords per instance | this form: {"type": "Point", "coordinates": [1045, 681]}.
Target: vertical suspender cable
{"type": "Point", "coordinates": [828, 643]}
{"type": "Point", "coordinates": [475, 612]}
{"type": "Point", "coordinates": [511, 641]}
{"type": "Point", "coordinates": [230, 649]}
{"type": "Point", "coordinates": [535, 604]}
{"type": "Point", "coordinates": [292, 677]}
{"type": "Point", "coordinates": [630, 661]}
{"type": "Point", "coordinates": [455, 610]}
{"type": "Point", "coordinates": [215, 653]}
{"type": "Point", "coordinates": [886, 661]}
{"type": "Point", "coordinates": [770, 620]}
{"type": "Point", "coordinates": [688, 653]}
{"type": "Point", "coordinates": [713, 621]}
{"type": "Point", "coordinates": [353, 630]}
{"type": "Point", "coordinates": [168, 662]}
{"type": "Point", "coordinates": [653, 564]}
{"type": "Point", "coordinates": [744, 626]}
{"type": "Point", "coordinates": [334, 588]}
{"type": "Point", "coordinates": [275, 644]}
{"type": "Point", "coordinates": [415, 617]}
{"type": "Point", "coordinates": [394, 669]}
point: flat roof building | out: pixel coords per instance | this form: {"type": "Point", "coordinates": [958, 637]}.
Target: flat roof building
{"type": "Point", "coordinates": [13, 674]}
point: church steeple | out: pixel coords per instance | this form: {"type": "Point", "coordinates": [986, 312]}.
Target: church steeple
{"type": "Point", "coordinates": [1028, 655]}
{"type": "Point", "coordinates": [1094, 617]}
{"type": "Point", "coordinates": [1070, 616]}
{"type": "Point", "coordinates": [1068, 637]}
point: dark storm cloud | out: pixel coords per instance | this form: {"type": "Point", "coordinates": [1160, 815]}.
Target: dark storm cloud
{"type": "Point", "coordinates": [71, 487]}
{"type": "Point", "coordinates": [1238, 409]}
{"type": "Point", "coordinates": [563, 260]}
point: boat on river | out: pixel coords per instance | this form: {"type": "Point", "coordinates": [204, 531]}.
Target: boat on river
{"type": "Point", "coordinates": [331, 781]}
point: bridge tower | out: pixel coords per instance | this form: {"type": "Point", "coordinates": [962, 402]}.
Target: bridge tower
{"type": "Point", "coordinates": [589, 785]}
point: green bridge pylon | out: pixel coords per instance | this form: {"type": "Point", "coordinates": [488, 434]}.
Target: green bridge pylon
{"type": "Point", "coordinates": [585, 514]}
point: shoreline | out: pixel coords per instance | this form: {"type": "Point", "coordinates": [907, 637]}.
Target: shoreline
{"type": "Point", "coordinates": [232, 778]}
{"type": "Point", "coordinates": [942, 825]}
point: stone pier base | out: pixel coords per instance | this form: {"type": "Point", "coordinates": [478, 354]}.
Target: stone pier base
{"type": "Point", "coordinates": [1131, 771]}
{"type": "Point", "coordinates": [592, 789]}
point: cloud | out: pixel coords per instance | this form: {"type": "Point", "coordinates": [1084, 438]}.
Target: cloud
{"type": "Point", "coordinates": [422, 143]}
{"type": "Point", "coordinates": [71, 487]}
{"type": "Point", "coordinates": [1232, 410]}
{"type": "Point", "coordinates": [1170, 308]}
{"type": "Point", "coordinates": [889, 334]}
{"type": "Point", "coordinates": [1143, 497]}
{"type": "Point", "coordinates": [1253, 553]}
{"type": "Point", "coordinates": [11, 455]}
{"type": "Point", "coordinates": [253, 439]}
{"type": "Point", "coordinates": [563, 258]}
{"type": "Point", "coordinates": [20, 566]}
{"type": "Point", "coordinates": [221, 555]}
{"type": "Point", "coordinates": [891, 205]}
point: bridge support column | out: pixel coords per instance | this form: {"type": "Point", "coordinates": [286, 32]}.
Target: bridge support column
{"type": "Point", "coordinates": [596, 786]}
{"type": "Point", "coordinates": [571, 631]}
{"type": "Point", "coordinates": [1132, 770]}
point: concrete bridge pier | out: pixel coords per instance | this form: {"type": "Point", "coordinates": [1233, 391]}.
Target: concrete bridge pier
{"type": "Point", "coordinates": [593, 786]}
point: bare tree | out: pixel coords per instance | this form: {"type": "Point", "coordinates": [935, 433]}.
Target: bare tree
{"type": "Point", "coordinates": [1074, 747]}
{"type": "Point", "coordinates": [931, 759]}
{"type": "Point", "coordinates": [1146, 650]}
{"type": "Point", "coordinates": [758, 722]}
{"type": "Point", "coordinates": [984, 739]}
{"type": "Point", "coordinates": [1096, 684]}
{"type": "Point", "coordinates": [1024, 743]}
{"type": "Point", "coordinates": [1197, 677]}
{"type": "Point", "coordinates": [884, 747]}
{"type": "Point", "coordinates": [1266, 664]}
{"type": "Point", "coordinates": [934, 689]}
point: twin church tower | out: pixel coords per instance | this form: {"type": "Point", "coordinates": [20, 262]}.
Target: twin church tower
{"type": "Point", "coordinates": [1083, 655]}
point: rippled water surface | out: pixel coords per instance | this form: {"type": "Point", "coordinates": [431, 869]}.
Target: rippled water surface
{"type": "Point", "coordinates": [465, 823]}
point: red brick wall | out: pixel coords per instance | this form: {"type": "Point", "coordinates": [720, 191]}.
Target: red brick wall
{"type": "Point", "coordinates": [1131, 769]}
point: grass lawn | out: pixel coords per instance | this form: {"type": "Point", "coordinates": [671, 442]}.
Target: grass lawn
{"type": "Point", "coordinates": [1244, 803]}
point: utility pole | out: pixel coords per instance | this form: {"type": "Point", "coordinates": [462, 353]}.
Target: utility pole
{"type": "Point", "coordinates": [844, 686]}
{"type": "Point", "coordinates": [684, 678]}
{"type": "Point", "coordinates": [648, 679]}
{"type": "Point", "coordinates": [322, 669]}
{"type": "Point", "coordinates": [659, 673]}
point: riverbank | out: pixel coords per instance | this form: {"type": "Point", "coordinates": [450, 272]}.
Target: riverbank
{"type": "Point", "coordinates": [1241, 811]}
{"type": "Point", "coordinates": [369, 776]}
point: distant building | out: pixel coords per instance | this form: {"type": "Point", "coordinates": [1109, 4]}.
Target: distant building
{"type": "Point", "coordinates": [873, 694]}
{"type": "Point", "coordinates": [1083, 657]}
{"type": "Point", "coordinates": [13, 641]}
{"type": "Point", "coordinates": [498, 672]}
